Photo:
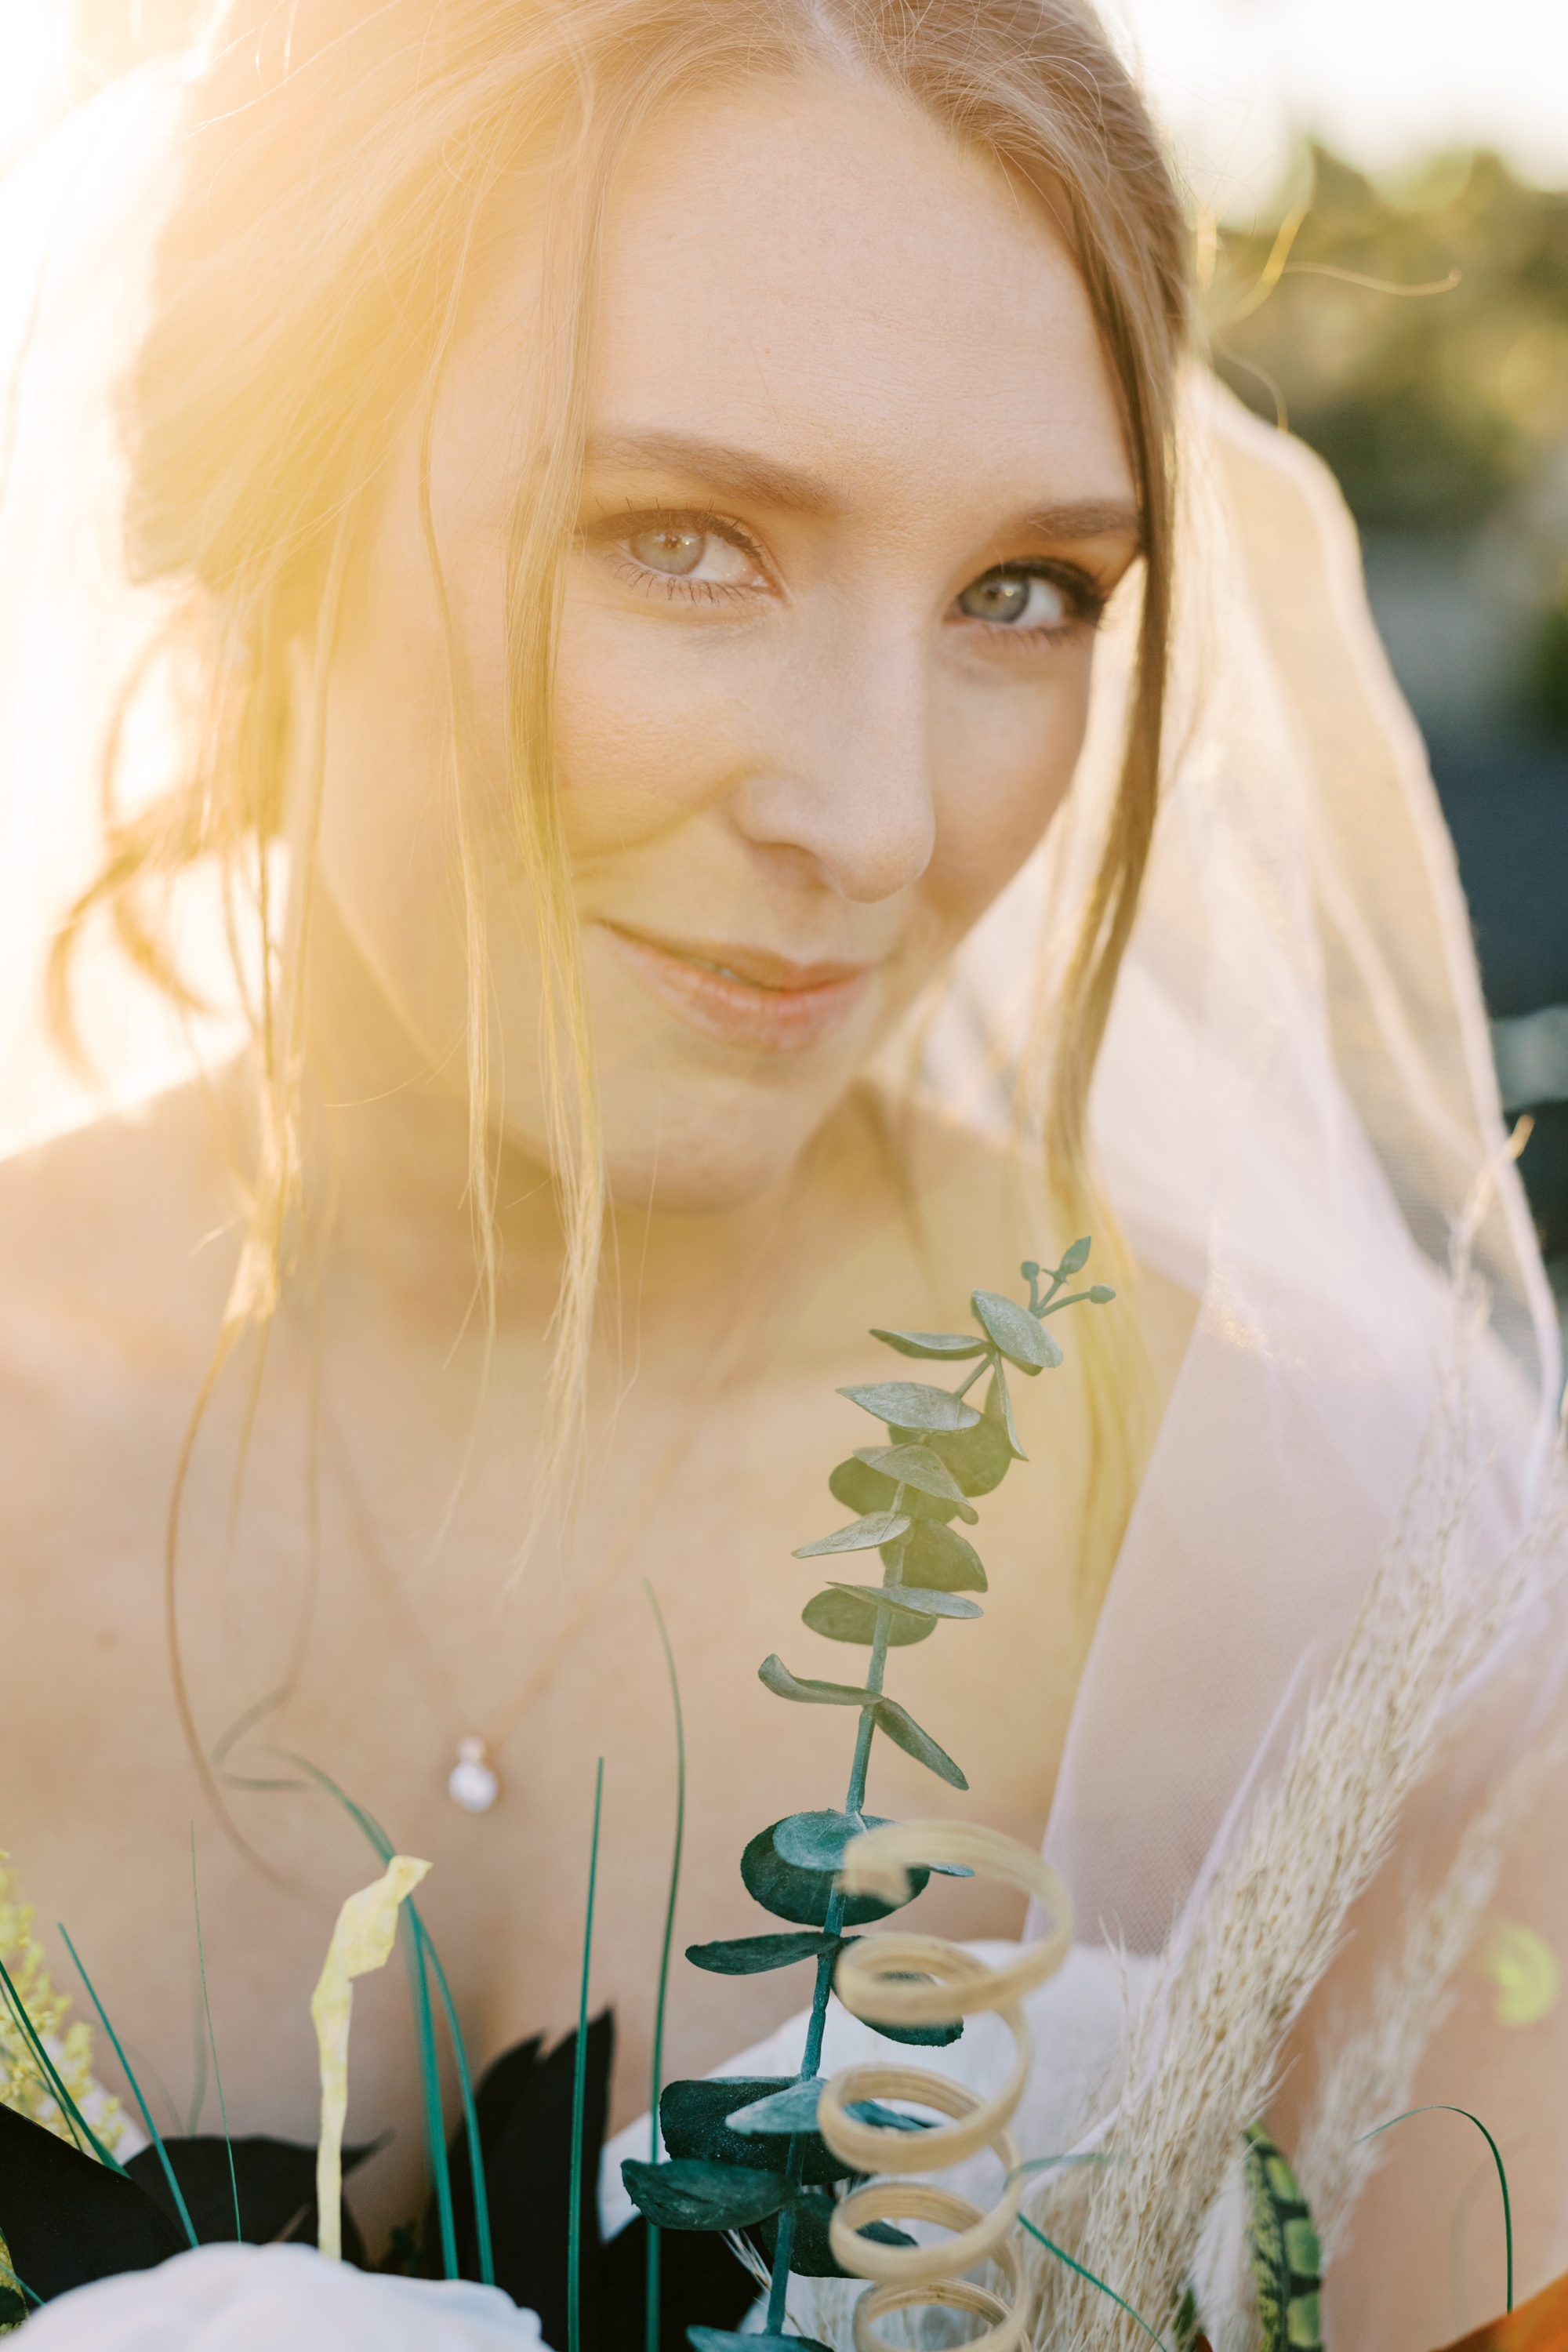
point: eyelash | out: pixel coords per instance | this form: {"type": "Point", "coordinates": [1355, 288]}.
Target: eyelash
{"type": "Point", "coordinates": [1086, 600]}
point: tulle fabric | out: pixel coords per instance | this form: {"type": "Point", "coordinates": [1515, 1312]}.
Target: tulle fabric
{"type": "Point", "coordinates": [1293, 1106]}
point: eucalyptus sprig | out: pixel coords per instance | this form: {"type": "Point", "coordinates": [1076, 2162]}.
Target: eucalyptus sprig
{"type": "Point", "coordinates": [746, 2154]}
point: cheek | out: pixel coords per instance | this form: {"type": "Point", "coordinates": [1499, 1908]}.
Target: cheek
{"type": "Point", "coordinates": [645, 727]}
{"type": "Point", "coordinates": [1002, 759]}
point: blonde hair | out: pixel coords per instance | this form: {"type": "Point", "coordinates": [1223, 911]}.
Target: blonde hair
{"type": "Point", "coordinates": [340, 160]}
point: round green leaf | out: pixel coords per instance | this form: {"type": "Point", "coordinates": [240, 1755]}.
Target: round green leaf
{"type": "Point", "coordinates": [1014, 1330]}
{"type": "Point", "coordinates": [937, 1559]}
{"type": "Point", "coordinates": [904, 1732]}
{"type": "Point", "coordinates": [838, 1617]}
{"type": "Point", "coordinates": [694, 2119]}
{"type": "Point", "coordinates": [864, 1534]}
{"type": "Point", "coordinates": [978, 1458]}
{"type": "Point", "coordinates": [865, 1490]}
{"type": "Point", "coordinates": [999, 1408]}
{"type": "Point", "coordinates": [755, 1955]}
{"type": "Point", "coordinates": [913, 1405]}
{"type": "Point", "coordinates": [788, 2111]}
{"type": "Point", "coordinates": [922, 2037]}
{"type": "Point", "coordinates": [726, 2339]}
{"type": "Point", "coordinates": [688, 2195]}
{"type": "Point", "coordinates": [918, 1601]}
{"type": "Point", "coordinates": [949, 1347]}
{"type": "Point", "coordinates": [810, 2251]}
{"type": "Point", "coordinates": [920, 1466]}
{"type": "Point", "coordinates": [802, 1896]}
{"type": "Point", "coordinates": [816, 1840]}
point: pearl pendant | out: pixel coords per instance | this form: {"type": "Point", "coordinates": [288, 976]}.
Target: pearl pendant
{"type": "Point", "coordinates": [473, 1783]}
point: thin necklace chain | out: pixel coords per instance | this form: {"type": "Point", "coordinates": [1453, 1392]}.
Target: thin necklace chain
{"type": "Point", "coordinates": [474, 1780]}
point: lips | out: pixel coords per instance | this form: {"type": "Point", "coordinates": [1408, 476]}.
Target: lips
{"type": "Point", "coordinates": [747, 995]}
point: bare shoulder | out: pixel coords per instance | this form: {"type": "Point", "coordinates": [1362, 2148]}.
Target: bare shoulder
{"type": "Point", "coordinates": [116, 1248]}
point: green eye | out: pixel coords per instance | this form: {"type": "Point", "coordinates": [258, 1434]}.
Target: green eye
{"type": "Point", "coordinates": [670, 549]}
{"type": "Point", "coordinates": [1015, 600]}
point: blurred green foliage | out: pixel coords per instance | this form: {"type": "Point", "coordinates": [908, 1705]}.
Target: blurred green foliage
{"type": "Point", "coordinates": [1437, 410]}
{"type": "Point", "coordinates": [1430, 407]}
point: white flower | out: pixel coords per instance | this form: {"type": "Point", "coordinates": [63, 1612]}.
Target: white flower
{"type": "Point", "coordinates": [258, 2298]}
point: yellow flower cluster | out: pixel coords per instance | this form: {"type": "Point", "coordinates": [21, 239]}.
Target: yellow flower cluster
{"type": "Point", "coordinates": [23, 2085]}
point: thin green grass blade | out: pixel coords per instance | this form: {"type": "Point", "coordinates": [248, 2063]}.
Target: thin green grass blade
{"type": "Point", "coordinates": [579, 2098]}
{"type": "Point", "coordinates": [212, 2042]}
{"type": "Point", "coordinates": [1442, 2109]}
{"type": "Point", "coordinates": [422, 1955]}
{"type": "Point", "coordinates": [1063, 2256]}
{"type": "Point", "coordinates": [430, 2083]}
{"type": "Point", "coordinates": [655, 2240]}
{"type": "Point", "coordinates": [470, 2112]}
{"type": "Point", "coordinates": [82, 2131]}
{"type": "Point", "coordinates": [9, 2278]}
{"type": "Point", "coordinates": [154, 2134]}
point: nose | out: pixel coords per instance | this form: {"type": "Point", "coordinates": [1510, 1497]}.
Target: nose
{"type": "Point", "coordinates": [841, 781]}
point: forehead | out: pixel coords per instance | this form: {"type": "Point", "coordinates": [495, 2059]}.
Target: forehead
{"type": "Point", "coordinates": [812, 267]}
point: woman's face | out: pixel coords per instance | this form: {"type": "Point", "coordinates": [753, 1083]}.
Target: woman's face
{"type": "Point", "coordinates": [855, 492]}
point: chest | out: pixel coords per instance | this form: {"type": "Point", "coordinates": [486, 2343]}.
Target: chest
{"type": "Point", "coordinates": [308, 1634]}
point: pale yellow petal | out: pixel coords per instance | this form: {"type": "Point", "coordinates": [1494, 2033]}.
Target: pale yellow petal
{"type": "Point", "coordinates": [362, 1941]}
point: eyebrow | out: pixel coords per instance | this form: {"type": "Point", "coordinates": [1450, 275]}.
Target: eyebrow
{"type": "Point", "coordinates": [1088, 519]}
{"type": "Point", "coordinates": [740, 473]}
{"type": "Point", "coordinates": [744, 474]}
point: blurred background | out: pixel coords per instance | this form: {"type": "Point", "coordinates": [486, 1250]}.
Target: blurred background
{"type": "Point", "coordinates": [1381, 191]}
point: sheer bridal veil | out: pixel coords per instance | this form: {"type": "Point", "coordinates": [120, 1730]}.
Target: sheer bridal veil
{"type": "Point", "coordinates": [1294, 1111]}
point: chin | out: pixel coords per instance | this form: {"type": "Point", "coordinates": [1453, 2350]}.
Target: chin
{"type": "Point", "coordinates": [694, 1183]}
{"type": "Point", "coordinates": [717, 1151]}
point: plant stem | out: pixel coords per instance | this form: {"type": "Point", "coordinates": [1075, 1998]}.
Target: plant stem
{"type": "Point", "coordinates": [579, 2099]}
{"type": "Point", "coordinates": [654, 2240]}
{"type": "Point", "coordinates": [854, 1804]}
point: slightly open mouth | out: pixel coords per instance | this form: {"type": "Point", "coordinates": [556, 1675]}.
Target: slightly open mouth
{"type": "Point", "coordinates": [748, 996]}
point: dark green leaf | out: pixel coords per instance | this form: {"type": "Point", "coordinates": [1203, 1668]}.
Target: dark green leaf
{"type": "Point", "coordinates": [687, 2194]}
{"type": "Point", "coordinates": [912, 1405]}
{"type": "Point", "coordinates": [795, 2110]}
{"type": "Point", "coordinates": [810, 2247]}
{"type": "Point", "coordinates": [839, 1618]}
{"type": "Point", "coordinates": [693, 2120]}
{"type": "Point", "coordinates": [916, 1599]}
{"type": "Point", "coordinates": [999, 1406]}
{"type": "Point", "coordinates": [918, 1466]}
{"type": "Point", "coordinates": [939, 1560]}
{"type": "Point", "coordinates": [905, 1732]}
{"type": "Point", "coordinates": [803, 1895]}
{"type": "Point", "coordinates": [860, 1489]}
{"type": "Point", "coordinates": [952, 1347]}
{"type": "Point", "coordinates": [791, 2110]}
{"type": "Point", "coordinates": [774, 1675]}
{"type": "Point", "coordinates": [724, 2339]}
{"type": "Point", "coordinates": [754, 1956]}
{"type": "Point", "coordinates": [1076, 1257]}
{"type": "Point", "coordinates": [864, 1534]}
{"type": "Point", "coordinates": [816, 1840]}
{"type": "Point", "coordinates": [920, 2037]}
{"type": "Point", "coordinates": [1014, 1330]}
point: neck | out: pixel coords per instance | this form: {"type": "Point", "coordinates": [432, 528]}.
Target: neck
{"type": "Point", "coordinates": [392, 1135]}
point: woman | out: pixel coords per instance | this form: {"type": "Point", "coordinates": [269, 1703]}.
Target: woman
{"type": "Point", "coordinates": [639, 484]}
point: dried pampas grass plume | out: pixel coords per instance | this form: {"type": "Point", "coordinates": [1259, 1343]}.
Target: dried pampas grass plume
{"type": "Point", "coordinates": [1260, 1932]}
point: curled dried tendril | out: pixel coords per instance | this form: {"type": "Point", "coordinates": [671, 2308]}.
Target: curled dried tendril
{"type": "Point", "coordinates": [906, 1980]}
